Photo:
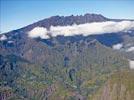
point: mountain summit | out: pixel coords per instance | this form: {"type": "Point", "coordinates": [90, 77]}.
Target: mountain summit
{"type": "Point", "coordinates": [69, 20]}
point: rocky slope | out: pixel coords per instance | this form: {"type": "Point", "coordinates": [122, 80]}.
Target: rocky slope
{"type": "Point", "coordinates": [120, 86]}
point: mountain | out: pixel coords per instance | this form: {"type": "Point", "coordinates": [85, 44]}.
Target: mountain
{"type": "Point", "coordinates": [67, 20]}
{"type": "Point", "coordinates": [62, 67]}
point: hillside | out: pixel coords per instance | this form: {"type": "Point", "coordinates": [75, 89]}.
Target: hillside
{"type": "Point", "coordinates": [120, 86]}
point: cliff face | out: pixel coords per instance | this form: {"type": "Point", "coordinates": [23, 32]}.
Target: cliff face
{"type": "Point", "coordinates": [120, 86]}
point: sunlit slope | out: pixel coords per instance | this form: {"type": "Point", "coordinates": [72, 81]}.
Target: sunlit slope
{"type": "Point", "coordinates": [120, 86]}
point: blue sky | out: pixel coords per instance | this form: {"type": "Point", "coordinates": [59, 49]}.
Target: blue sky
{"type": "Point", "coordinates": [15, 14]}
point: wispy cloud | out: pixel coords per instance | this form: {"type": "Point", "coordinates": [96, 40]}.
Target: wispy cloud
{"type": "Point", "coordinates": [82, 29]}
{"type": "Point", "coordinates": [117, 46]}
{"type": "Point", "coordinates": [3, 37]}
{"type": "Point", "coordinates": [130, 49]}
{"type": "Point", "coordinates": [131, 63]}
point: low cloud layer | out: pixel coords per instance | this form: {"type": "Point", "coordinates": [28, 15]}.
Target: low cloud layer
{"type": "Point", "coordinates": [130, 49]}
{"type": "Point", "coordinates": [131, 63]}
{"type": "Point", "coordinates": [82, 29]}
{"type": "Point", "coordinates": [3, 37]}
{"type": "Point", "coordinates": [38, 32]}
{"type": "Point", "coordinates": [117, 46]}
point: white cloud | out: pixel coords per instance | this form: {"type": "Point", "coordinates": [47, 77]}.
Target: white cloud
{"type": "Point", "coordinates": [131, 63]}
{"type": "Point", "coordinates": [10, 41]}
{"type": "Point", "coordinates": [83, 29]}
{"type": "Point", "coordinates": [38, 32]}
{"type": "Point", "coordinates": [130, 49]}
{"type": "Point", "coordinates": [3, 37]}
{"type": "Point", "coordinates": [117, 46]}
